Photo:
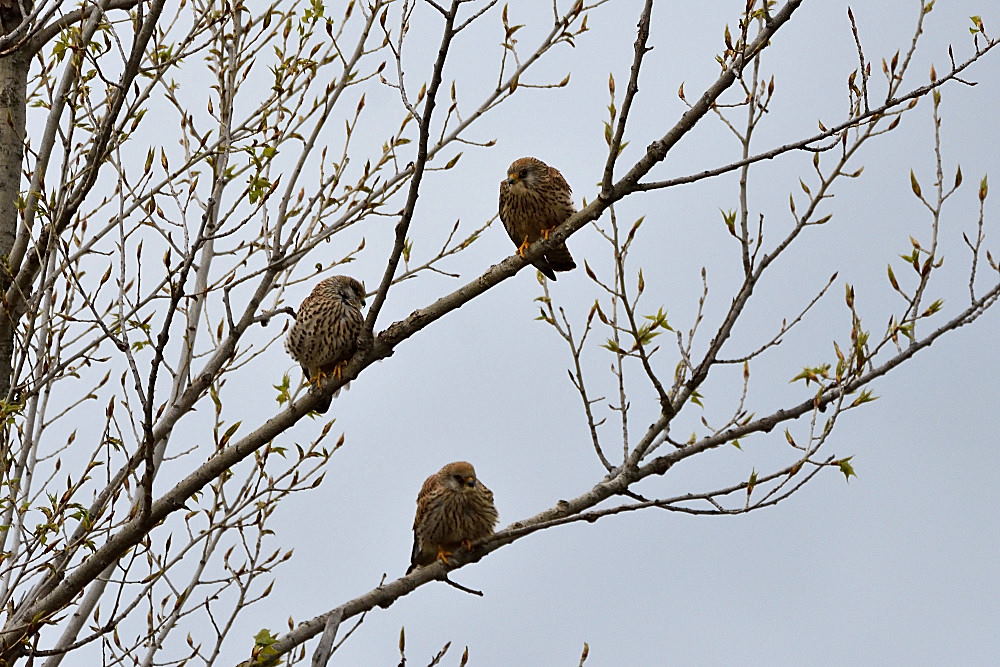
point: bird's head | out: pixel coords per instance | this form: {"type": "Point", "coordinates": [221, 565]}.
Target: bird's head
{"type": "Point", "coordinates": [459, 476]}
{"type": "Point", "coordinates": [525, 172]}
{"type": "Point", "coordinates": [347, 288]}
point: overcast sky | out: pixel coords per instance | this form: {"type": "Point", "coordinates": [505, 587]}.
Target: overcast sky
{"type": "Point", "coordinates": [898, 566]}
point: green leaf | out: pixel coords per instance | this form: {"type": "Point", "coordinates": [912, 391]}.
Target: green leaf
{"type": "Point", "coordinates": [933, 308]}
{"type": "Point", "coordinates": [284, 393]}
{"type": "Point", "coordinates": [729, 218]}
{"type": "Point", "coordinates": [813, 374]}
{"type": "Point", "coordinates": [866, 396]}
{"type": "Point", "coordinates": [263, 649]}
{"type": "Point", "coordinates": [892, 278]}
{"type": "Point", "coordinates": [846, 468]}
{"type": "Point", "coordinates": [613, 346]}
{"type": "Point", "coordinates": [659, 319]}
{"type": "Point", "coordinates": [229, 434]}
{"type": "Point", "coordinates": [696, 399]}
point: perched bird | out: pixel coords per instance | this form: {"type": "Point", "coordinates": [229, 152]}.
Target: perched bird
{"type": "Point", "coordinates": [453, 509]}
{"type": "Point", "coordinates": [325, 333]}
{"type": "Point", "coordinates": [534, 200]}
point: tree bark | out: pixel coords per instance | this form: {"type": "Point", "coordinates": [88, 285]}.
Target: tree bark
{"type": "Point", "coordinates": [13, 82]}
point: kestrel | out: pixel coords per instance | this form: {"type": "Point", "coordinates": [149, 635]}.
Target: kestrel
{"type": "Point", "coordinates": [534, 200]}
{"type": "Point", "coordinates": [453, 509]}
{"type": "Point", "coordinates": [325, 333]}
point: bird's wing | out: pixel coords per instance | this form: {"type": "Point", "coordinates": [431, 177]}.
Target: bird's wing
{"type": "Point", "coordinates": [414, 553]}
{"type": "Point", "coordinates": [424, 499]}
{"type": "Point", "coordinates": [505, 218]}
{"type": "Point", "coordinates": [486, 492]}
{"type": "Point", "coordinates": [560, 182]}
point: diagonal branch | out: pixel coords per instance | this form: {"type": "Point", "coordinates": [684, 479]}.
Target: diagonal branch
{"type": "Point", "coordinates": [418, 168]}
{"type": "Point", "coordinates": [615, 147]}
{"type": "Point", "coordinates": [807, 144]}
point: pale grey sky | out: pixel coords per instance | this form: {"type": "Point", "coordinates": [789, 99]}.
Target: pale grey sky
{"type": "Point", "coordinates": [899, 566]}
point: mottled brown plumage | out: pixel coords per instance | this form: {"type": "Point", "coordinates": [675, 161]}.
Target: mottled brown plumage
{"type": "Point", "coordinates": [325, 333]}
{"type": "Point", "coordinates": [453, 509]}
{"type": "Point", "coordinates": [535, 199]}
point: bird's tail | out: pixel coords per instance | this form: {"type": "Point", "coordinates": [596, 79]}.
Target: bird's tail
{"type": "Point", "coordinates": [559, 259]}
{"type": "Point", "coordinates": [324, 404]}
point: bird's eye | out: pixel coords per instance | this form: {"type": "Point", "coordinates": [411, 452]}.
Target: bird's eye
{"type": "Point", "coordinates": [459, 479]}
{"type": "Point", "coordinates": [523, 173]}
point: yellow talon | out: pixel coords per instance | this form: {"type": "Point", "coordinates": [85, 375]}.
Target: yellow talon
{"type": "Point", "coordinates": [524, 246]}
{"type": "Point", "coordinates": [320, 375]}
{"type": "Point", "coordinates": [545, 233]}
{"type": "Point", "coordinates": [443, 556]}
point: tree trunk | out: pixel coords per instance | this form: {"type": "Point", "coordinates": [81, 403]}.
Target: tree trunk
{"type": "Point", "coordinates": [13, 81]}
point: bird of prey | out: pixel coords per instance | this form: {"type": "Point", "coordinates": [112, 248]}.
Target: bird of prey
{"type": "Point", "coordinates": [453, 509]}
{"type": "Point", "coordinates": [325, 333]}
{"type": "Point", "coordinates": [534, 200]}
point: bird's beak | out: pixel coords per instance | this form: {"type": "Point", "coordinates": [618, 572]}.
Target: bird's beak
{"type": "Point", "coordinates": [470, 481]}
{"type": "Point", "coordinates": [511, 179]}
